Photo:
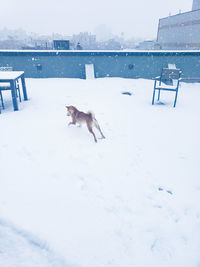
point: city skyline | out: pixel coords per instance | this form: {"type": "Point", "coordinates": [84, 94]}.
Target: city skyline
{"type": "Point", "coordinates": [138, 19]}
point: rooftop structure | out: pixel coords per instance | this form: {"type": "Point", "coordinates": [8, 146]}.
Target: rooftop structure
{"type": "Point", "coordinates": [61, 44]}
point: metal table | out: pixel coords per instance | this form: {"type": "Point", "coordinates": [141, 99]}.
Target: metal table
{"type": "Point", "coordinates": [11, 77]}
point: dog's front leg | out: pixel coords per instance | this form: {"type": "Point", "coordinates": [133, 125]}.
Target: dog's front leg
{"type": "Point", "coordinates": [72, 122]}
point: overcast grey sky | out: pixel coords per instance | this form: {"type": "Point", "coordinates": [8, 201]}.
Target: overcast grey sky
{"type": "Point", "coordinates": [136, 18]}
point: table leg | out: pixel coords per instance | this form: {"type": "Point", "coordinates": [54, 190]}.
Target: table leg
{"type": "Point", "coordinates": [24, 88]}
{"type": "Point", "coordinates": [14, 95]}
{"type": "Point", "coordinates": [1, 96]}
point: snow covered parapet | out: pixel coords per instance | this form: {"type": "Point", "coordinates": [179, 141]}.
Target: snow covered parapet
{"type": "Point", "coordinates": [71, 64]}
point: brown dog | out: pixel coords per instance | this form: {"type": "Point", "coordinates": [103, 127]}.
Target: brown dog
{"type": "Point", "coordinates": [80, 117]}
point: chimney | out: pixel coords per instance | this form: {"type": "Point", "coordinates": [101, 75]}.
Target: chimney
{"type": "Point", "coordinates": [196, 4]}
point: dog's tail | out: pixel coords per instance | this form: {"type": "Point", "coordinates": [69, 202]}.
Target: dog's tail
{"type": "Point", "coordinates": [91, 113]}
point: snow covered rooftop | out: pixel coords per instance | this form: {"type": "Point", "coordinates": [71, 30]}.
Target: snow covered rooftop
{"type": "Point", "coordinates": [131, 199]}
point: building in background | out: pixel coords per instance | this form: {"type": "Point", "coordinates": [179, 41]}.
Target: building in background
{"type": "Point", "coordinates": [196, 5]}
{"type": "Point", "coordinates": [85, 40]}
{"type": "Point", "coordinates": [181, 31]}
{"type": "Point", "coordinates": [148, 45]}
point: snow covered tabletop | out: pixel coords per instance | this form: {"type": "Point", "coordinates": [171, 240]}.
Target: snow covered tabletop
{"type": "Point", "coordinates": [6, 75]}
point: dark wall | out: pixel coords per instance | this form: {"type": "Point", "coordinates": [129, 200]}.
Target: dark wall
{"type": "Point", "coordinates": [71, 64]}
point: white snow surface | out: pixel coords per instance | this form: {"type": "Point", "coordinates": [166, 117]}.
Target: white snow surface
{"type": "Point", "coordinates": [132, 199]}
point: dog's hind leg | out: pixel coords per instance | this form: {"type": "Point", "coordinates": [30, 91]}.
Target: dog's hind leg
{"type": "Point", "coordinates": [91, 131]}
{"type": "Point", "coordinates": [98, 127]}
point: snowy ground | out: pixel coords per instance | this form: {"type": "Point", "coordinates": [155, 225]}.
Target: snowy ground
{"type": "Point", "coordinates": [132, 199]}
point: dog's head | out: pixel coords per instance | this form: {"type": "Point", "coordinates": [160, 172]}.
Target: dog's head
{"type": "Point", "coordinates": [70, 110]}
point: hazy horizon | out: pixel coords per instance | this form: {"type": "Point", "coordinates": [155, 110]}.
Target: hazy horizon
{"type": "Point", "coordinates": [136, 19]}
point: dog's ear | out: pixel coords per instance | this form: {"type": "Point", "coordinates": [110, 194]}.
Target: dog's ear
{"type": "Point", "coordinates": [66, 106]}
